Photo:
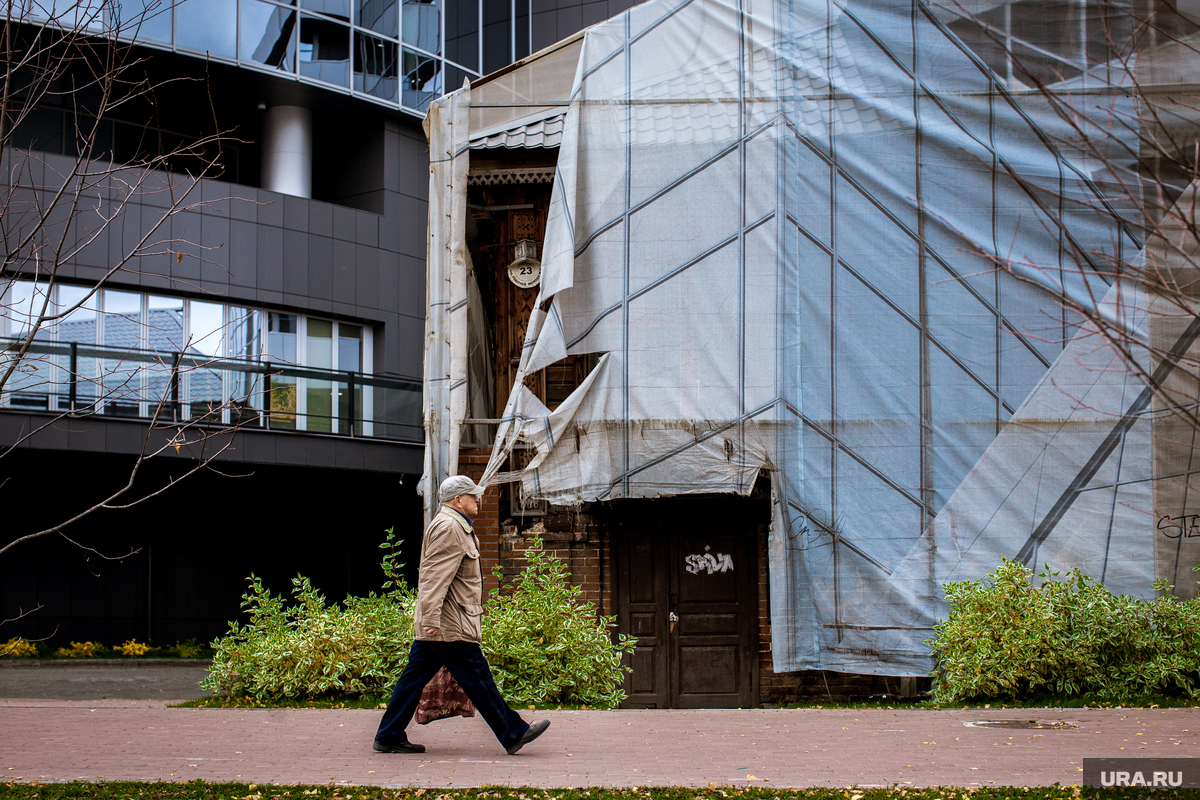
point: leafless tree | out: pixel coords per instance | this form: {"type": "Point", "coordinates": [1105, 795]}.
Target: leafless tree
{"type": "Point", "coordinates": [77, 62]}
{"type": "Point", "coordinates": [1139, 145]}
{"type": "Point", "coordinates": [1117, 79]}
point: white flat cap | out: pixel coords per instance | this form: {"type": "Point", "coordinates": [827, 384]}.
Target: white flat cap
{"type": "Point", "coordinates": [455, 485]}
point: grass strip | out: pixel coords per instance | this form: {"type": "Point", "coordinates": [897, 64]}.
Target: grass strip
{"type": "Point", "coordinates": [201, 790]}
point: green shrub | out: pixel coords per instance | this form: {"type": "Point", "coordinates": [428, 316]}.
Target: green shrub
{"type": "Point", "coordinates": [310, 648]}
{"type": "Point", "coordinates": [1006, 638]}
{"type": "Point", "coordinates": [189, 648]}
{"type": "Point", "coordinates": [547, 648]}
{"type": "Point", "coordinates": [543, 645]}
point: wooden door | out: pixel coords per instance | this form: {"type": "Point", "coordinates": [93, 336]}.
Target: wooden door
{"type": "Point", "coordinates": [687, 589]}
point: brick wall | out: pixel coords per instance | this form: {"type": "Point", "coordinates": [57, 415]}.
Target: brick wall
{"type": "Point", "coordinates": [487, 522]}
{"type": "Point", "coordinates": [573, 535]}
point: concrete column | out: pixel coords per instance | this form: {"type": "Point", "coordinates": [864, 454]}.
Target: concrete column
{"type": "Point", "coordinates": [287, 150]}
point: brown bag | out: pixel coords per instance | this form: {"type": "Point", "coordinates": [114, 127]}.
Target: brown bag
{"type": "Point", "coordinates": [442, 698]}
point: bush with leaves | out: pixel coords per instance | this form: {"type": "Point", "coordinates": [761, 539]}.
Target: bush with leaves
{"type": "Point", "coordinates": [18, 648]}
{"type": "Point", "coordinates": [133, 648]}
{"type": "Point", "coordinates": [545, 647]}
{"type": "Point", "coordinates": [1007, 638]}
{"type": "Point", "coordinates": [311, 648]}
{"type": "Point", "coordinates": [80, 650]}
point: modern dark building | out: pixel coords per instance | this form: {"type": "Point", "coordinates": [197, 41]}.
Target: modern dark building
{"type": "Point", "coordinates": [235, 231]}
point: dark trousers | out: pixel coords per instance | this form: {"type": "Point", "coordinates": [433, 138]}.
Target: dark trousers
{"type": "Point", "coordinates": [468, 666]}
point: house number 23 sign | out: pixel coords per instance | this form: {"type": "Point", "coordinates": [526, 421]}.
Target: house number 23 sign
{"type": "Point", "coordinates": [708, 562]}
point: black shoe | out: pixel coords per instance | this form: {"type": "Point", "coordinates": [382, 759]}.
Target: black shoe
{"type": "Point", "coordinates": [535, 730]}
{"type": "Point", "coordinates": [400, 747]}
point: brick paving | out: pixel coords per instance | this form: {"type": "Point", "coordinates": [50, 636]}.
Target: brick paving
{"type": "Point", "coordinates": [58, 740]}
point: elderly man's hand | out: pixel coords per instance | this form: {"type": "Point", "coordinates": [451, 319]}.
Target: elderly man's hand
{"type": "Point", "coordinates": [429, 631]}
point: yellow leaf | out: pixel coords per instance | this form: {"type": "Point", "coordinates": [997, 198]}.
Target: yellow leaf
{"type": "Point", "coordinates": [179, 258]}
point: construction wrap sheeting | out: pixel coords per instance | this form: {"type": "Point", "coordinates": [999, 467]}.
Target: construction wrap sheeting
{"type": "Point", "coordinates": [778, 226]}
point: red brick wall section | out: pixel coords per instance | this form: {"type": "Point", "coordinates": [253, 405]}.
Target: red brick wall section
{"type": "Point", "coordinates": [487, 523]}
{"type": "Point", "coordinates": [571, 535]}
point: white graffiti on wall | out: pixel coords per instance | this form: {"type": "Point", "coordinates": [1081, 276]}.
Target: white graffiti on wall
{"type": "Point", "coordinates": [707, 562]}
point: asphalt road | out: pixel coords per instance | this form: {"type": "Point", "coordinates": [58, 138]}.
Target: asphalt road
{"type": "Point", "coordinates": [155, 679]}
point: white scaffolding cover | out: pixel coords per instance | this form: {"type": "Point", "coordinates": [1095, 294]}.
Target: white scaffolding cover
{"type": "Point", "coordinates": [777, 224]}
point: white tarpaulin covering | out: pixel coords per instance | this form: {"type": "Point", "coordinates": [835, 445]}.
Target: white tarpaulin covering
{"type": "Point", "coordinates": [779, 223]}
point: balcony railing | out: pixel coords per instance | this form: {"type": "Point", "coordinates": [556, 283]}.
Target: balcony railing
{"type": "Point", "coordinates": [85, 379]}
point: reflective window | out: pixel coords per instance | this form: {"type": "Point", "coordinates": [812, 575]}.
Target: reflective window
{"type": "Point", "coordinates": [206, 325]}
{"type": "Point", "coordinates": [355, 45]}
{"type": "Point", "coordinates": [244, 339]}
{"type": "Point", "coordinates": [377, 15]}
{"type": "Point", "coordinates": [349, 357]}
{"type": "Point", "coordinates": [164, 324]}
{"type": "Point", "coordinates": [375, 69]}
{"type": "Point", "coordinates": [422, 24]}
{"type": "Point", "coordinates": [330, 8]}
{"type": "Point", "coordinates": [70, 14]}
{"type": "Point", "coordinates": [122, 319]}
{"type": "Point", "coordinates": [281, 347]}
{"type": "Point", "coordinates": [79, 324]}
{"type": "Point", "coordinates": [319, 393]}
{"type": "Point", "coordinates": [148, 20]}
{"type": "Point", "coordinates": [23, 304]}
{"type": "Point", "coordinates": [349, 348]}
{"type": "Point", "coordinates": [421, 81]}
{"type": "Point", "coordinates": [324, 50]}
{"type": "Point", "coordinates": [154, 356]}
{"type": "Point", "coordinates": [202, 376]}
{"type": "Point", "coordinates": [267, 34]}
{"type": "Point", "coordinates": [163, 336]}
{"type": "Point", "coordinates": [208, 27]}
{"type": "Point", "coordinates": [120, 333]}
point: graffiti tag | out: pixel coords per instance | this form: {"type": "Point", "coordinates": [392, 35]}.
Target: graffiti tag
{"type": "Point", "coordinates": [707, 562]}
{"type": "Point", "coordinates": [1187, 526]}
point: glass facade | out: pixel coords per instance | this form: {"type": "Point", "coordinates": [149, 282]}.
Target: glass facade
{"type": "Point", "coordinates": [390, 51]}
{"type": "Point", "coordinates": [146, 356]}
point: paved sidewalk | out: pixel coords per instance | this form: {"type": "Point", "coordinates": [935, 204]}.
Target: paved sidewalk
{"type": "Point", "coordinates": [56, 740]}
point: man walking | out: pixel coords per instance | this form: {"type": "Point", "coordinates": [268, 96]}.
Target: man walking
{"type": "Point", "coordinates": [449, 604]}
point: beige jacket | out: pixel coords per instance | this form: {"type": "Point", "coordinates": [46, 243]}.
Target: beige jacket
{"type": "Point", "coordinates": [450, 583]}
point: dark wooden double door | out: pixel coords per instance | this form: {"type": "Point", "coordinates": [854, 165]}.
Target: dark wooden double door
{"type": "Point", "coordinates": [687, 589]}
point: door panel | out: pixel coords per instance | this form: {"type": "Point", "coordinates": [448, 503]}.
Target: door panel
{"type": "Point", "coordinates": [714, 606]}
{"type": "Point", "coordinates": [641, 571]}
{"type": "Point", "coordinates": [707, 670]}
{"type": "Point", "coordinates": [673, 563]}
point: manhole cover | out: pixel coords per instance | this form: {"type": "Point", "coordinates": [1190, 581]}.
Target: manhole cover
{"type": "Point", "coordinates": [1023, 724]}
